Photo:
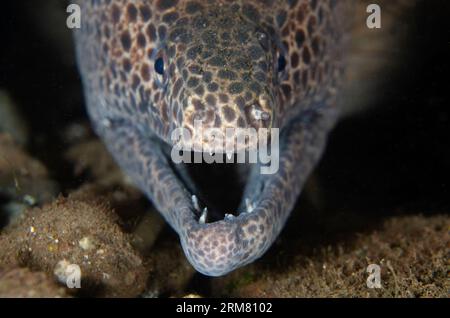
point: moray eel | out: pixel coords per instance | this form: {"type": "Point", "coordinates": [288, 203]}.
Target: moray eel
{"type": "Point", "coordinates": [151, 66]}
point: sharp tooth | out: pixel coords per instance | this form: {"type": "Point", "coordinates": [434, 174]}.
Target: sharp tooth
{"type": "Point", "coordinates": [195, 202]}
{"type": "Point", "coordinates": [203, 217]}
{"type": "Point", "coordinates": [249, 206]}
{"type": "Point", "coordinates": [106, 122]}
{"type": "Point", "coordinates": [229, 216]}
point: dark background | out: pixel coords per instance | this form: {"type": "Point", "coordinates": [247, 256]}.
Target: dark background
{"type": "Point", "coordinates": [388, 158]}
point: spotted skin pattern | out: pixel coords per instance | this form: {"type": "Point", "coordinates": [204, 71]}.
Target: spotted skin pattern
{"type": "Point", "coordinates": [252, 63]}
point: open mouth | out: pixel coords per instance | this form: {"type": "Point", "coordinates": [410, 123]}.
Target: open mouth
{"type": "Point", "coordinates": [223, 184]}
{"type": "Point", "coordinates": [226, 214]}
{"type": "Point", "coordinates": [217, 188]}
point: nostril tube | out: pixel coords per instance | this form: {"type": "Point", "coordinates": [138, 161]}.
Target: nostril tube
{"type": "Point", "coordinates": [257, 117]}
{"type": "Point", "coordinates": [258, 114]}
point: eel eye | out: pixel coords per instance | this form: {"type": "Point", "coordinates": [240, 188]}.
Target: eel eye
{"type": "Point", "coordinates": [281, 63]}
{"type": "Point", "coordinates": [159, 66]}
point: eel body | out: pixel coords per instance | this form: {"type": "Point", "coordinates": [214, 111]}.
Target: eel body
{"type": "Point", "coordinates": [151, 66]}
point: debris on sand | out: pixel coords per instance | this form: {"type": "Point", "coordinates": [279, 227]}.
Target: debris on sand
{"type": "Point", "coordinates": [85, 233]}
